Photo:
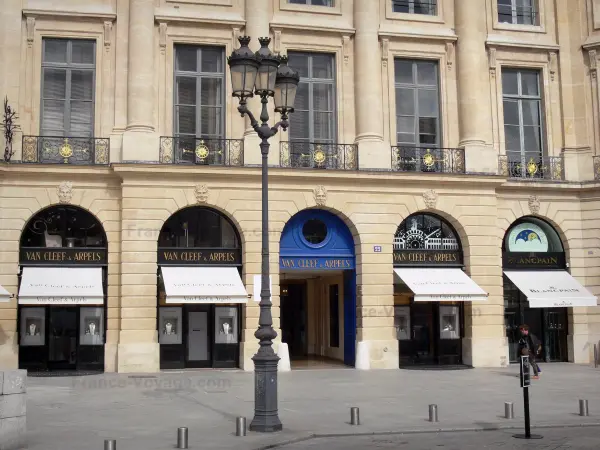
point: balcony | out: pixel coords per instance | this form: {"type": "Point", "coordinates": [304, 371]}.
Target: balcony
{"type": "Point", "coordinates": [314, 155]}
{"type": "Point", "coordinates": [597, 168]}
{"type": "Point", "coordinates": [201, 151]}
{"type": "Point", "coordinates": [65, 150]}
{"type": "Point", "coordinates": [428, 160]}
{"type": "Point", "coordinates": [541, 168]}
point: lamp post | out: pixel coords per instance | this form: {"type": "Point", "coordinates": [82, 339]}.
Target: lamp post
{"type": "Point", "coordinates": [265, 75]}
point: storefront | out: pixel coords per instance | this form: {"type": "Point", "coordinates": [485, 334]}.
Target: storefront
{"type": "Point", "coordinates": [429, 292]}
{"type": "Point", "coordinates": [538, 290]}
{"type": "Point", "coordinates": [62, 291]}
{"type": "Point", "coordinates": [200, 290]}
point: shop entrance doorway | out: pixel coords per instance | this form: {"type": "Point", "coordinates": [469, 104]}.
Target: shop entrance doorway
{"type": "Point", "coordinates": [294, 319]}
{"type": "Point", "coordinates": [62, 339]}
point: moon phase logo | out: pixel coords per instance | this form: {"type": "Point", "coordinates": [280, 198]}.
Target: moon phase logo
{"type": "Point", "coordinates": [527, 236]}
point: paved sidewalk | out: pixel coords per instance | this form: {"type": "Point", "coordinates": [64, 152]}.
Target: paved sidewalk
{"type": "Point", "coordinates": [143, 412]}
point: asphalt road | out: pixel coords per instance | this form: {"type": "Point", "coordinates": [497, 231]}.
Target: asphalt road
{"type": "Point", "coordinates": [575, 438]}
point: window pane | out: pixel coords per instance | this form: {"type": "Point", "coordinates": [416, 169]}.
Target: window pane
{"type": "Point", "coordinates": [405, 101]}
{"type": "Point", "coordinates": [298, 2]}
{"type": "Point", "coordinates": [427, 139]}
{"type": "Point", "coordinates": [210, 121]}
{"type": "Point", "coordinates": [511, 112]}
{"type": "Point", "coordinates": [512, 137]}
{"type": "Point", "coordinates": [400, 6]}
{"type": "Point", "coordinates": [81, 129]}
{"type": "Point", "coordinates": [82, 52]}
{"type": "Point", "coordinates": [299, 125]}
{"type": "Point", "coordinates": [322, 2]}
{"type": "Point", "coordinates": [211, 92]}
{"type": "Point", "coordinates": [82, 84]}
{"type": "Point", "coordinates": [425, 7]}
{"type": "Point", "coordinates": [55, 83]}
{"type": "Point", "coordinates": [531, 113]}
{"type": "Point", "coordinates": [428, 125]}
{"type": "Point", "coordinates": [403, 71]}
{"type": "Point", "coordinates": [529, 83]}
{"type": "Point", "coordinates": [405, 124]}
{"type": "Point", "coordinates": [299, 62]}
{"type": "Point", "coordinates": [322, 66]}
{"type": "Point", "coordinates": [510, 84]}
{"type": "Point", "coordinates": [211, 59]}
{"type": "Point", "coordinates": [55, 50]}
{"type": "Point", "coordinates": [187, 58]}
{"type": "Point", "coordinates": [323, 126]}
{"type": "Point", "coordinates": [531, 137]}
{"type": "Point", "coordinates": [301, 102]}
{"type": "Point", "coordinates": [427, 74]}
{"type": "Point", "coordinates": [186, 91]}
{"type": "Point", "coordinates": [406, 139]}
{"type": "Point", "coordinates": [428, 103]}
{"type": "Point", "coordinates": [186, 119]}
{"type": "Point", "coordinates": [81, 113]}
{"type": "Point", "coordinates": [504, 11]}
{"type": "Point", "coordinates": [53, 115]}
{"type": "Point", "coordinates": [322, 97]}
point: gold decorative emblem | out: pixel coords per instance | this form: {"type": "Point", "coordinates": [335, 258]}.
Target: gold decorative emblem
{"type": "Point", "coordinates": [428, 159]}
{"type": "Point", "coordinates": [319, 156]}
{"type": "Point", "coordinates": [532, 167]}
{"type": "Point", "coordinates": [66, 151]}
{"type": "Point", "coordinates": [201, 150]}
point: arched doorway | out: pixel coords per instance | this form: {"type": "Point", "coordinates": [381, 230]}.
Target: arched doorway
{"type": "Point", "coordinates": [429, 292]}
{"type": "Point", "coordinates": [62, 291]}
{"type": "Point", "coordinates": [538, 290]}
{"type": "Point", "coordinates": [199, 290]}
{"type": "Point", "coordinates": [318, 289]}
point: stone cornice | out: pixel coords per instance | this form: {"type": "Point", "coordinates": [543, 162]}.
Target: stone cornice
{"type": "Point", "coordinates": [230, 19]}
{"type": "Point", "coordinates": [498, 40]}
{"type": "Point", "coordinates": [99, 15]}
{"type": "Point", "coordinates": [442, 34]}
{"type": "Point", "coordinates": [333, 28]}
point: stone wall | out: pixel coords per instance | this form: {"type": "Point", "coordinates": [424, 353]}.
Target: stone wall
{"type": "Point", "coordinates": [13, 401]}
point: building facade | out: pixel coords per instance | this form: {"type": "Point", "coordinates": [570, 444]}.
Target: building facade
{"type": "Point", "coordinates": [438, 186]}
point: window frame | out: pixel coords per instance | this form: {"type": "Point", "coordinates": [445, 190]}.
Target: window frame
{"type": "Point", "coordinates": [309, 3]}
{"type": "Point", "coordinates": [519, 97]}
{"type": "Point", "coordinates": [311, 82]}
{"type": "Point", "coordinates": [68, 67]}
{"type": "Point", "coordinates": [433, 5]}
{"type": "Point", "coordinates": [416, 88]}
{"type": "Point", "coordinates": [534, 14]}
{"type": "Point", "coordinates": [199, 76]}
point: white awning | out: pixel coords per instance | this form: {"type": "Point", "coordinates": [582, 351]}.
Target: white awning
{"type": "Point", "coordinates": [551, 289]}
{"type": "Point", "coordinates": [61, 286]}
{"type": "Point", "coordinates": [203, 285]}
{"type": "Point", "coordinates": [5, 296]}
{"type": "Point", "coordinates": [441, 285]}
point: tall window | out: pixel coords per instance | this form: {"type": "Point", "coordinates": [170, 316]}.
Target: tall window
{"type": "Point", "coordinates": [312, 2]}
{"type": "Point", "coordinates": [522, 114]}
{"type": "Point", "coordinates": [417, 103]}
{"type": "Point", "coordinates": [199, 93]}
{"type": "Point", "coordinates": [522, 12]}
{"type": "Point", "coordinates": [428, 7]}
{"type": "Point", "coordinates": [314, 108]}
{"type": "Point", "coordinates": [68, 82]}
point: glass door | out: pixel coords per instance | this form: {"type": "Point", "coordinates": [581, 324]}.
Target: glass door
{"type": "Point", "coordinates": [555, 345]}
{"type": "Point", "coordinates": [198, 344]}
{"type": "Point", "coordinates": [422, 333]}
{"type": "Point", "coordinates": [62, 338]}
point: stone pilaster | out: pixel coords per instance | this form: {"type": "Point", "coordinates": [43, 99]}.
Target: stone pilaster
{"type": "Point", "coordinates": [373, 151]}
{"type": "Point", "coordinates": [475, 113]}
{"type": "Point", "coordinates": [140, 142]}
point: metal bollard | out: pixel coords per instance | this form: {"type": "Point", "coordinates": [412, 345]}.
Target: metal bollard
{"type": "Point", "coordinates": [583, 408]}
{"type": "Point", "coordinates": [110, 444]}
{"type": "Point", "coordinates": [433, 413]}
{"type": "Point", "coordinates": [240, 426]}
{"type": "Point", "coordinates": [595, 356]}
{"type": "Point", "coordinates": [182, 437]}
{"type": "Point", "coordinates": [354, 416]}
{"type": "Point", "coordinates": [509, 412]}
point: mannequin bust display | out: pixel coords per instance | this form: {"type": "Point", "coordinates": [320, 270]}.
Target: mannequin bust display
{"type": "Point", "coordinates": [91, 329]}
{"type": "Point", "coordinates": [169, 328]}
{"type": "Point", "coordinates": [226, 329]}
{"type": "Point", "coordinates": [32, 331]}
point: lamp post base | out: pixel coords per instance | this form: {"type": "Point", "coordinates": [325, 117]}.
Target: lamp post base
{"type": "Point", "coordinates": [266, 416]}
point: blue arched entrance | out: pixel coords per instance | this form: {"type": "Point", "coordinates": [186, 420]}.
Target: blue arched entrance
{"type": "Point", "coordinates": [318, 287]}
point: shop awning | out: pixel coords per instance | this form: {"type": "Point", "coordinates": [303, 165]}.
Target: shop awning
{"type": "Point", "coordinates": [551, 289]}
{"type": "Point", "coordinates": [203, 285]}
{"type": "Point", "coordinates": [61, 286]}
{"type": "Point", "coordinates": [5, 296]}
{"type": "Point", "coordinates": [441, 285]}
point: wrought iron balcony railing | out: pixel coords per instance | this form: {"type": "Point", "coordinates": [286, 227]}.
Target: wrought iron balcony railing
{"type": "Point", "coordinates": [65, 150]}
{"type": "Point", "coordinates": [315, 155]}
{"type": "Point", "coordinates": [428, 160]}
{"type": "Point", "coordinates": [203, 151]}
{"type": "Point", "coordinates": [537, 168]}
{"type": "Point", "coordinates": [597, 168]}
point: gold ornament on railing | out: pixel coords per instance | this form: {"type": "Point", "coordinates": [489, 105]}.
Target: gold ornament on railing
{"type": "Point", "coordinates": [319, 156]}
{"type": "Point", "coordinates": [66, 151]}
{"type": "Point", "coordinates": [202, 150]}
{"type": "Point", "coordinates": [532, 167]}
{"type": "Point", "coordinates": [428, 159]}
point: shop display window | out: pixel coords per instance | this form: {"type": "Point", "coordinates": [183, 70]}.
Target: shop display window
{"type": "Point", "coordinates": [226, 325]}
{"type": "Point", "coordinates": [402, 322]}
{"type": "Point", "coordinates": [449, 322]}
{"type": "Point", "coordinates": [91, 326]}
{"type": "Point", "coordinates": [170, 325]}
{"type": "Point", "coordinates": [33, 326]}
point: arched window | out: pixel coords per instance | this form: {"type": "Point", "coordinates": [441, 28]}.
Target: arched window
{"type": "Point", "coordinates": [200, 228]}
{"type": "Point", "coordinates": [425, 232]}
{"type": "Point", "coordinates": [63, 226]}
{"type": "Point", "coordinates": [532, 235]}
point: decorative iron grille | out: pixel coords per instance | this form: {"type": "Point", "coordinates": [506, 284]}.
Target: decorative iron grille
{"type": "Point", "coordinates": [203, 151]}
{"type": "Point", "coordinates": [65, 150]}
{"type": "Point", "coordinates": [429, 160]}
{"type": "Point", "coordinates": [542, 168]}
{"type": "Point", "coordinates": [314, 155]}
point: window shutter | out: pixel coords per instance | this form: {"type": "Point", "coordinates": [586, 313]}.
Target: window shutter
{"type": "Point", "coordinates": [54, 95]}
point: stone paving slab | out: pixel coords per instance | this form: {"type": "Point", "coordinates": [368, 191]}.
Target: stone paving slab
{"type": "Point", "coordinates": [143, 412]}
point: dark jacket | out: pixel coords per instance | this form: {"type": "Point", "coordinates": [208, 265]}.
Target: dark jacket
{"type": "Point", "coordinates": [530, 342]}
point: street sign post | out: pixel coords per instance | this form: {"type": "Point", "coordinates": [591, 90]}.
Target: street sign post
{"type": "Point", "coordinates": [525, 377]}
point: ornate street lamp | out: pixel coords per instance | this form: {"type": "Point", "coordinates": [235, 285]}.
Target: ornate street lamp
{"type": "Point", "coordinates": [265, 75]}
